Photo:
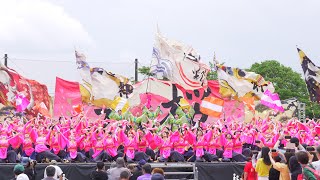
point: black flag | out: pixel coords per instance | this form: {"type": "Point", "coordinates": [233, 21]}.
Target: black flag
{"type": "Point", "coordinates": [311, 76]}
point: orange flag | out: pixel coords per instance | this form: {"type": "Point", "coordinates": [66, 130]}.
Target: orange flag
{"type": "Point", "coordinates": [249, 102]}
{"type": "Point", "coordinates": [212, 106]}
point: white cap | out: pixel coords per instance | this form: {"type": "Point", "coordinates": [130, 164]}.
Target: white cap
{"type": "Point", "coordinates": [22, 177]}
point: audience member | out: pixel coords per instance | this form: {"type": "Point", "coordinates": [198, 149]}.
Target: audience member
{"type": "Point", "coordinates": [249, 173]}
{"type": "Point", "coordinates": [58, 173]}
{"type": "Point", "coordinates": [157, 176]}
{"type": "Point", "coordinates": [274, 174]}
{"type": "Point", "coordinates": [125, 175]}
{"type": "Point", "coordinates": [29, 168]}
{"type": "Point", "coordinates": [158, 170]}
{"type": "Point", "coordinates": [114, 173]}
{"type": "Point", "coordinates": [303, 159]}
{"type": "Point", "coordinates": [146, 170]}
{"type": "Point", "coordinates": [316, 164]}
{"type": "Point", "coordinates": [50, 173]}
{"type": "Point", "coordinates": [99, 173]}
{"type": "Point", "coordinates": [18, 173]}
{"type": "Point", "coordinates": [295, 168]}
{"type": "Point", "coordinates": [137, 171]}
{"type": "Point", "coordinates": [263, 164]}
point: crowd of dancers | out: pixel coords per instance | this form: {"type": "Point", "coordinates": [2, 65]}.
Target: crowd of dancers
{"type": "Point", "coordinates": [177, 139]}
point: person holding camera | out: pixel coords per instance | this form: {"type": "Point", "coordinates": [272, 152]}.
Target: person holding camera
{"type": "Point", "coordinates": [29, 168]}
{"type": "Point", "coordinates": [280, 163]}
{"type": "Point", "coordinates": [263, 164]}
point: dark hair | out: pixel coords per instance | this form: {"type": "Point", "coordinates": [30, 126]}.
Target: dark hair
{"type": "Point", "coordinates": [302, 157]}
{"type": "Point", "coordinates": [288, 155]}
{"type": "Point", "coordinates": [100, 165]}
{"type": "Point", "coordinates": [147, 168]}
{"type": "Point", "coordinates": [50, 170]}
{"type": "Point", "coordinates": [315, 158]}
{"type": "Point", "coordinates": [318, 149]}
{"type": "Point", "coordinates": [294, 164]}
{"type": "Point", "coordinates": [295, 141]}
{"type": "Point", "coordinates": [125, 174]}
{"type": "Point", "coordinates": [277, 159]}
{"type": "Point", "coordinates": [265, 155]}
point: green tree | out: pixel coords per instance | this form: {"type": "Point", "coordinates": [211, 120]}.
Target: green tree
{"type": "Point", "coordinates": [144, 70]}
{"type": "Point", "coordinates": [212, 74]}
{"type": "Point", "coordinates": [287, 83]}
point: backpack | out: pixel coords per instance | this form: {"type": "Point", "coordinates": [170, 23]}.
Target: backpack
{"type": "Point", "coordinates": [314, 172]}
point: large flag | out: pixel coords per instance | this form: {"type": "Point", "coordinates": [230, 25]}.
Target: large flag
{"type": "Point", "coordinates": [179, 63]}
{"type": "Point", "coordinates": [272, 101]}
{"type": "Point", "coordinates": [237, 83]}
{"type": "Point", "coordinates": [164, 89]}
{"type": "Point", "coordinates": [311, 76]}
{"type": "Point", "coordinates": [100, 87]}
{"type": "Point", "coordinates": [212, 106]}
{"type": "Point", "coordinates": [67, 95]}
{"type": "Point", "coordinates": [12, 84]}
{"type": "Point", "coordinates": [21, 102]}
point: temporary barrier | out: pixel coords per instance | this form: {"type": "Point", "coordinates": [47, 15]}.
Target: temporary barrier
{"type": "Point", "coordinates": [197, 171]}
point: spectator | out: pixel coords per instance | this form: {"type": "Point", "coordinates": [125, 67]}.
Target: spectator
{"type": "Point", "coordinates": [137, 170]}
{"type": "Point", "coordinates": [18, 173]}
{"type": "Point", "coordinates": [316, 164]}
{"type": "Point", "coordinates": [297, 144]}
{"type": "Point", "coordinates": [281, 167]}
{"type": "Point", "coordinates": [157, 176]}
{"type": "Point", "coordinates": [249, 171]}
{"type": "Point", "coordinates": [274, 174]}
{"type": "Point", "coordinates": [303, 159]}
{"type": "Point", "coordinates": [50, 173]}
{"type": "Point", "coordinates": [58, 173]}
{"type": "Point", "coordinates": [114, 173]}
{"type": "Point", "coordinates": [99, 173]}
{"type": "Point", "coordinates": [146, 170]}
{"type": "Point", "coordinates": [158, 170]}
{"type": "Point", "coordinates": [29, 168]}
{"type": "Point", "coordinates": [125, 175]}
{"type": "Point", "coordinates": [263, 164]}
{"type": "Point", "coordinates": [295, 168]}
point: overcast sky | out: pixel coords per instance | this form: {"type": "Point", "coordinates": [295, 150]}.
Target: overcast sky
{"type": "Point", "coordinates": [40, 36]}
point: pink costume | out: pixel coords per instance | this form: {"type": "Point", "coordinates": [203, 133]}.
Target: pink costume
{"type": "Point", "coordinates": [72, 148]}
{"type": "Point", "coordinates": [198, 146]}
{"type": "Point", "coordinates": [165, 147]}
{"type": "Point", "coordinates": [213, 144]}
{"type": "Point", "coordinates": [4, 144]}
{"type": "Point", "coordinates": [198, 143]}
{"type": "Point", "coordinates": [228, 147]}
{"type": "Point", "coordinates": [130, 144]}
{"type": "Point", "coordinates": [142, 145]}
{"type": "Point", "coordinates": [28, 146]}
{"type": "Point", "coordinates": [180, 145]}
{"type": "Point", "coordinates": [237, 145]}
{"type": "Point", "coordinates": [41, 144]}
{"type": "Point", "coordinates": [111, 146]}
{"type": "Point", "coordinates": [98, 148]}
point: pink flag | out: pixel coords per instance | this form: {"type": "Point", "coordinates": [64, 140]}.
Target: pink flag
{"type": "Point", "coordinates": [67, 95]}
{"type": "Point", "coordinates": [21, 102]}
{"type": "Point", "coordinates": [272, 100]}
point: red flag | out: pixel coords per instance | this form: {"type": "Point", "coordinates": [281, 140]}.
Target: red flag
{"type": "Point", "coordinates": [12, 83]}
{"type": "Point", "coordinates": [67, 95]}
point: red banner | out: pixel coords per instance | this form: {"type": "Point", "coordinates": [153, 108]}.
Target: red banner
{"type": "Point", "coordinates": [67, 95]}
